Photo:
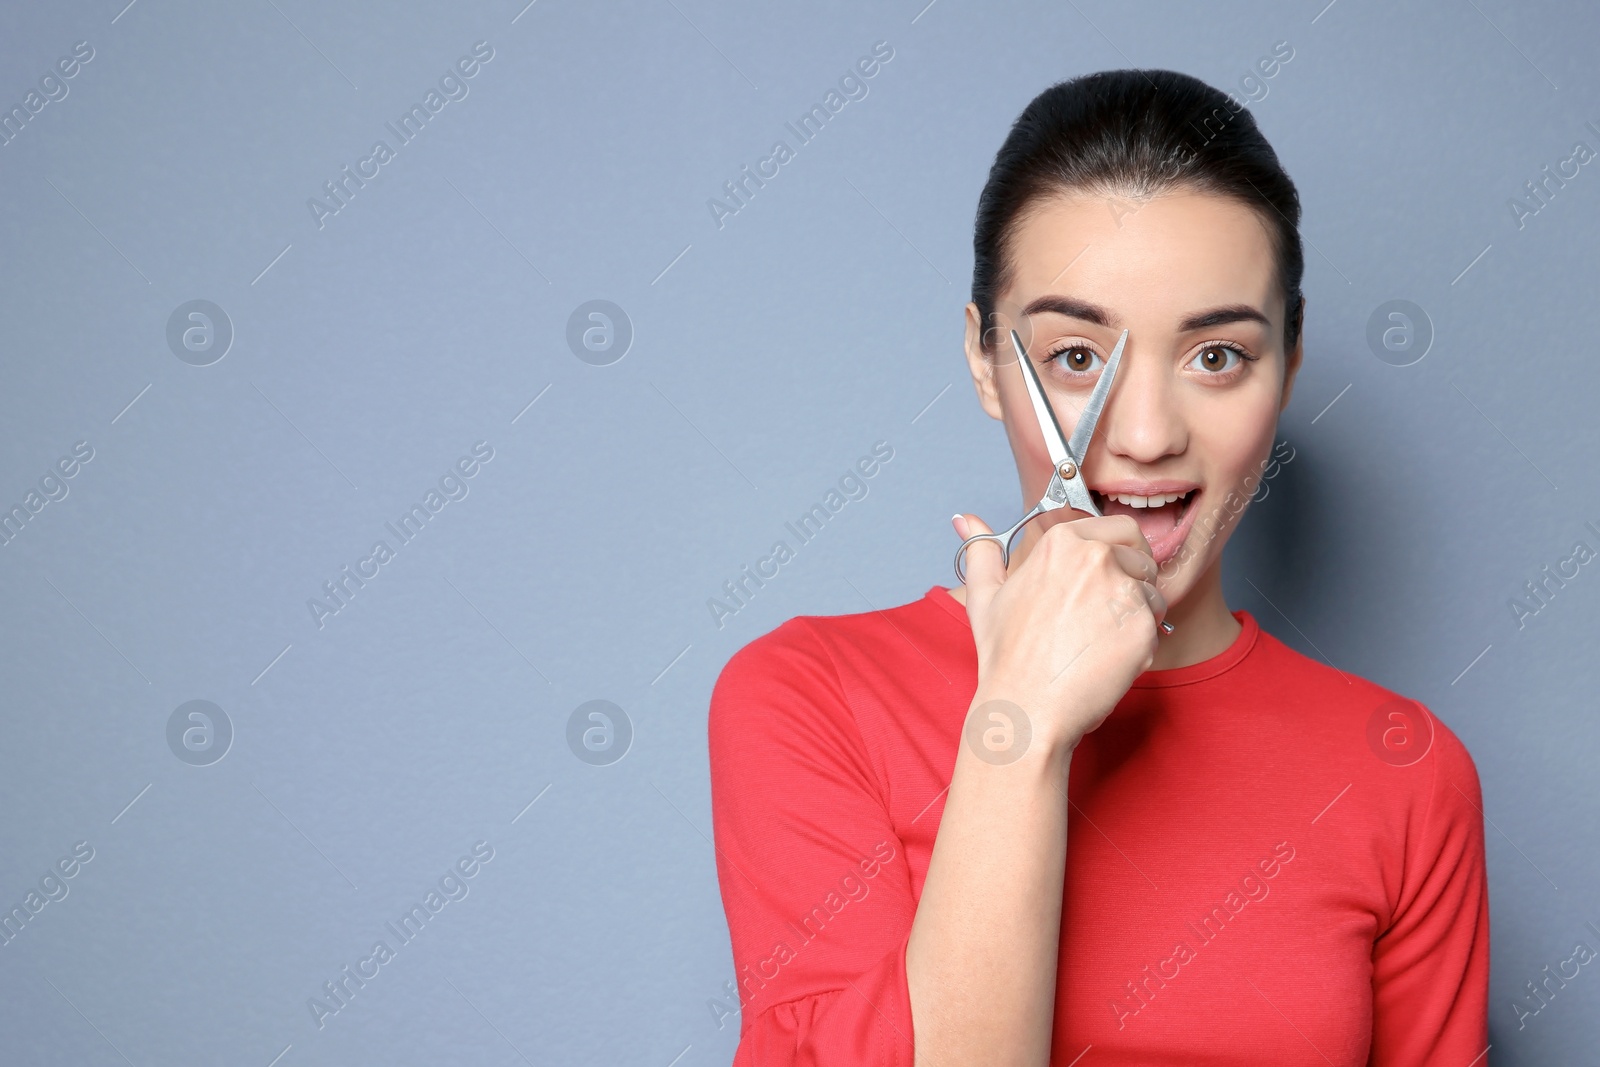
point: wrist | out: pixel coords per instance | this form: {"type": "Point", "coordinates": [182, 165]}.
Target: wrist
{"type": "Point", "coordinates": [1003, 725]}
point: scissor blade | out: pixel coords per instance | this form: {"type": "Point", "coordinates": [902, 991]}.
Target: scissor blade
{"type": "Point", "coordinates": [1078, 446]}
{"type": "Point", "coordinates": [1055, 442]}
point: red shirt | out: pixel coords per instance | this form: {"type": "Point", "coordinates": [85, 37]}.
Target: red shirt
{"type": "Point", "coordinates": [1268, 861]}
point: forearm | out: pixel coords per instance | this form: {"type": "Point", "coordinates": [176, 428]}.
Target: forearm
{"type": "Point", "coordinates": [981, 961]}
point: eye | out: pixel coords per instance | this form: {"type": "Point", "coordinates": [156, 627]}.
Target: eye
{"type": "Point", "coordinates": [1074, 359]}
{"type": "Point", "coordinates": [1220, 357]}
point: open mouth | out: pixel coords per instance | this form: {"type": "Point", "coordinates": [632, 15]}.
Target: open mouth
{"type": "Point", "coordinates": [1164, 519]}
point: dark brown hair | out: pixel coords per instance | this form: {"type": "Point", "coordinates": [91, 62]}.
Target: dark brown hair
{"type": "Point", "coordinates": [1135, 133]}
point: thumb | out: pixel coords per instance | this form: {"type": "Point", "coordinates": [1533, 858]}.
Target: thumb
{"type": "Point", "coordinates": [984, 562]}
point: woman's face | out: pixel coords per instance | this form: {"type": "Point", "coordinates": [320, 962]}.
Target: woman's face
{"type": "Point", "coordinates": [1203, 376]}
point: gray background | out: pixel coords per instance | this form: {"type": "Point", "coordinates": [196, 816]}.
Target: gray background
{"type": "Point", "coordinates": [769, 354]}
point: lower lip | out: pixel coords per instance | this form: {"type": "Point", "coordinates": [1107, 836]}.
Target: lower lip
{"type": "Point", "coordinates": [1167, 547]}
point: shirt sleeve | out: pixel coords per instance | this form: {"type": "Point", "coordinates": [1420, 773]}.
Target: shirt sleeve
{"type": "Point", "coordinates": [1430, 968]}
{"type": "Point", "coordinates": [814, 879]}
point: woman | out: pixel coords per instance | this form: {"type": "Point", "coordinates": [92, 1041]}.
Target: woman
{"type": "Point", "coordinates": [1015, 822]}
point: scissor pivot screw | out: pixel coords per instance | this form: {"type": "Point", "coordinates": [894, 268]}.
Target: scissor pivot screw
{"type": "Point", "coordinates": [1067, 470]}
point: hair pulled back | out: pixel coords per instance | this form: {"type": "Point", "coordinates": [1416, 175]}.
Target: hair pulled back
{"type": "Point", "coordinates": [1134, 133]}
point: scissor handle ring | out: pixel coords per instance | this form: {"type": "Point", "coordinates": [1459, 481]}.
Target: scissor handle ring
{"type": "Point", "coordinates": [1002, 539]}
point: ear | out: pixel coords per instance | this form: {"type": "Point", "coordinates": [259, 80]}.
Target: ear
{"type": "Point", "coordinates": [979, 363]}
{"type": "Point", "coordinates": [1293, 359]}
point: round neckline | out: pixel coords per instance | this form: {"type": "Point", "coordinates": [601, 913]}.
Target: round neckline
{"type": "Point", "coordinates": [1226, 660]}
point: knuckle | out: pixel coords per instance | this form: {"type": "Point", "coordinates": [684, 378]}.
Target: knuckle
{"type": "Point", "coordinates": [1058, 533]}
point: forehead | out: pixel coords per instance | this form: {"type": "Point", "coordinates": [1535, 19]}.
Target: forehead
{"type": "Point", "coordinates": [1164, 256]}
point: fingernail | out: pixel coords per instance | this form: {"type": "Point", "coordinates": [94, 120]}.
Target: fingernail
{"type": "Point", "coordinates": [959, 521]}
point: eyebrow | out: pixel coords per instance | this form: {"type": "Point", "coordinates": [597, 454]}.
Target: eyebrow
{"type": "Point", "coordinates": [1082, 309]}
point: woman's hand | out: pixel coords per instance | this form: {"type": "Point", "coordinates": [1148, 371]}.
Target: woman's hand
{"type": "Point", "coordinates": [1062, 637]}
{"type": "Point", "coordinates": [1065, 634]}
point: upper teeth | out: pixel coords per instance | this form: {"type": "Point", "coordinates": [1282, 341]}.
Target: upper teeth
{"type": "Point", "coordinates": [1145, 501]}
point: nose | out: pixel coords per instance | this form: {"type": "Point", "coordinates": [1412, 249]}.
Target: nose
{"type": "Point", "coordinates": [1141, 421]}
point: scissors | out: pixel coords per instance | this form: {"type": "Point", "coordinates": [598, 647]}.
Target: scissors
{"type": "Point", "coordinates": [1067, 487]}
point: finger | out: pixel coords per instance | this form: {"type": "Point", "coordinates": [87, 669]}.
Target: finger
{"type": "Point", "coordinates": [1141, 566]}
{"type": "Point", "coordinates": [1113, 529]}
{"type": "Point", "coordinates": [985, 563]}
{"type": "Point", "coordinates": [1137, 598]}
{"type": "Point", "coordinates": [1157, 601]}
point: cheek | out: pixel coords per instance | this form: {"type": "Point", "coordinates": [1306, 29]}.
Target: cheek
{"type": "Point", "coordinates": [1253, 451]}
{"type": "Point", "coordinates": [1027, 443]}
{"type": "Point", "coordinates": [1233, 431]}
{"type": "Point", "coordinates": [1022, 425]}
{"type": "Point", "coordinates": [1236, 463]}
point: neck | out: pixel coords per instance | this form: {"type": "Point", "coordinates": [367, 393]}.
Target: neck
{"type": "Point", "coordinates": [1203, 626]}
